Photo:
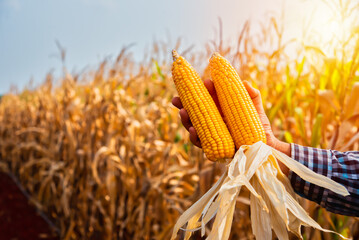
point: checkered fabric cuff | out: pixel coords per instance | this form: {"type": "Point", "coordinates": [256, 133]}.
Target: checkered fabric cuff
{"type": "Point", "coordinates": [319, 161]}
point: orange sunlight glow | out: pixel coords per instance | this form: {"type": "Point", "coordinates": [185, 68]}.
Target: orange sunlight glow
{"type": "Point", "coordinates": [331, 25]}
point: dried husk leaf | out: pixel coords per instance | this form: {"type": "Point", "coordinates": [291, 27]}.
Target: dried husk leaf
{"type": "Point", "coordinates": [272, 202]}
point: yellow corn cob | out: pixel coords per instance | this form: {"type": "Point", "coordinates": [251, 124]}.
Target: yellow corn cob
{"type": "Point", "coordinates": [213, 133]}
{"type": "Point", "coordinates": [238, 109]}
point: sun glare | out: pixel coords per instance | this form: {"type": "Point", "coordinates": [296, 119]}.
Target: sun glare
{"type": "Point", "coordinates": [325, 27]}
{"type": "Point", "coordinates": [329, 24]}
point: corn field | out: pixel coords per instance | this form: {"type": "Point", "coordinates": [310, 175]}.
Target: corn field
{"type": "Point", "coordinates": [104, 155]}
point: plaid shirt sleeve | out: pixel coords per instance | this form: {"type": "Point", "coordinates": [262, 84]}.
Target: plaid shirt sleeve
{"type": "Point", "coordinates": [342, 167]}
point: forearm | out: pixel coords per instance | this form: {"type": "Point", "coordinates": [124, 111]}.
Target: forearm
{"type": "Point", "coordinates": [342, 167]}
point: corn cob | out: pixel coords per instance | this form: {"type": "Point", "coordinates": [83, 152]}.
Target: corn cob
{"type": "Point", "coordinates": [238, 109]}
{"type": "Point", "coordinates": [213, 133]}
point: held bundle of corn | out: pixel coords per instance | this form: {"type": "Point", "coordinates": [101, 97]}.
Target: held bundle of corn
{"type": "Point", "coordinates": [215, 138]}
{"type": "Point", "coordinates": [272, 200]}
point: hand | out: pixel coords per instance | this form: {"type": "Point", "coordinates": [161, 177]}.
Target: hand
{"type": "Point", "coordinates": [257, 101]}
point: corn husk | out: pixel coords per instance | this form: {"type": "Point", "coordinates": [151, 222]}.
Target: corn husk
{"type": "Point", "coordinates": [272, 199]}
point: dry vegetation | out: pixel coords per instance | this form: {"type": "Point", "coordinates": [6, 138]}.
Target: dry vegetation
{"type": "Point", "coordinates": [104, 154]}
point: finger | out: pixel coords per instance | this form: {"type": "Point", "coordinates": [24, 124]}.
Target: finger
{"type": "Point", "coordinates": [253, 92]}
{"type": "Point", "coordinates": [257, 101]}
{"type": "Point", "coordinates": [210, 87]}
{"type": "Point", "coordinates": [185, 119]}
{"type": "Point", "coordinates": [176, 101]}
{"type": "Point", "coordinates": [194, 137]}
{"type": "Point", "coordinates": [212, 91]}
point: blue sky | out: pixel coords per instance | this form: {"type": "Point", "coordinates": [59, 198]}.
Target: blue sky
{"type": "Point", "coordinates": [91, 30]}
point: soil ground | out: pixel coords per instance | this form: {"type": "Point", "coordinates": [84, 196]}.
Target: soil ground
{"type": "Point", "coordinates": [18, 219]}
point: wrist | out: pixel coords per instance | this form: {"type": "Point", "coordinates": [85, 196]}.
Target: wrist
{"type": "Point", "coordinates": [284, 148]}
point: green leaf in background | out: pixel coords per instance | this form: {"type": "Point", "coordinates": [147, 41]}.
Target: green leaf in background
{"type": "Point", "coordinates": [300, 68]}
{"type": "Point", "coordinates": [336, 80]}
{"type": "Point", "coordinates": [299, 117]}
{"type": "Point", "coordinates": [288, 87]}
{"type": "Point", "coordinates": [186, 147]}
{"type": "Point", "coordinates": [316, 131]}
{"type": "Point", "coordinates": [159, 71]}
{"type": "Point", "coordinates": [288, 137]}
{"type": "Point", "coordinates": [288, 97]}
{"type": "Point", "coordinates": [177, 138]}
{"type": "Point", "coordinates": [324, 78]}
